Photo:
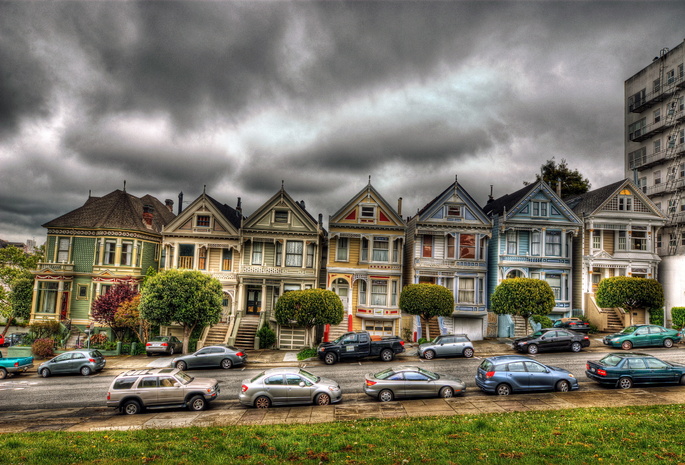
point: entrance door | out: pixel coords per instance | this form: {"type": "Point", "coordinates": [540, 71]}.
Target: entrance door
{"type": "Point", "coordinates": [254, 301]}
{"type": "Point", "coordinates": [341, 288]}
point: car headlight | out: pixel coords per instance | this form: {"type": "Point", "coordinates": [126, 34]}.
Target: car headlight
{"type": "Point", "coordinates": [334, 388]}
{"type": "Point", "coordinates": [571, 375]}
{"type": "Point", "coordinates": [523, 343]}
{"type": "Point", "coordinates": [614, 339]}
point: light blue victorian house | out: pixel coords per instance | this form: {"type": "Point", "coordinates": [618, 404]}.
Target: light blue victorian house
{"type": "Point", "coordinates": [532, 238]}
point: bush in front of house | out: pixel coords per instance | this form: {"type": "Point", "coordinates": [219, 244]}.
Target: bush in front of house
{"type": "Point", "coordinates": [267, 338]}
{"type": "Point", "coordinates": [543, 320]}
{"type": "Point", "coordinates": [656, 316]}
{"type": "Point", "coordinates": [678, 317]}
{"type": "Point", "coordinates": [43, 348]}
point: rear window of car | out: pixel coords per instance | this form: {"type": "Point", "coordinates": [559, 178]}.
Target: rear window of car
{"type": "Point", "coordinates": [487, 365]}
{"type": "Point", "coordinates": [124, 383]}
{"type": "Point", "coordinates": [257, 377]}
{"type": "Point", "coordinates": [611, 360]}
{"type": "Point", "coordinates": [96, 353]}
{"type": "Point", "coordinates": [159, 339]}
{"type": "Point", "coordinates": [384, 374]}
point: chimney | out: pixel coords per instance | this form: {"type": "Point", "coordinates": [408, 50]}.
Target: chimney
{"type": "Point", "coordinates": [490, 197]}
{"type": "Point", "coordinates": [321, 219]}
{"type": "Point", "coordinates": [180, 203]}
{"type": "Point", "coordinates": [148, 214]}
{"type": "Point", "coordinates": [301, 202]}
{"type": "Point", "coordinates": [169, 204]}
{"type": "Point", "coordinates": [399, 207]}
{"type": "Point", "coordinates": [239, 207]}
{"type": "Point", "coordinates": [559, 187]}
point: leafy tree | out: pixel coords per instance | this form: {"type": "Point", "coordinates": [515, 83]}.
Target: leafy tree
{"type": "Point", "coordinates": [185, 297]}
{"type": "Point", "coordinates": [522, 297]}
{"type": "Point", "coordinates": [128, 316]}
{"type": "Point", "coordinates": [428, 301]}
{"type": "Point", "coordinates": [630, 293]}
{"type": "Point", "coordinates": [572, 182]}
{"type": "Point", "coordinates": [16, 283]}
{"type": "Point", "coordinates": [105, 307]}
{"type": "Point", "coordinates": [309, 308]}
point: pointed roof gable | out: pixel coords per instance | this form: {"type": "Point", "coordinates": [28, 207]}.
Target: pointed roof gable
{"type": "Point", "coordinates": [386, 216]}
{"type": "Point", "coordinates": [260, 218]}
{"type": "Point", "coordinates": [116, 210]}
{"type": "Point", "coordinates": [507, 202]}
{"type": "Point", "coordinates": [596, 200]}
{"type": "Point", "coordinates": [226, 214]}
{"type": "Point", "coordinates": [454, 194]}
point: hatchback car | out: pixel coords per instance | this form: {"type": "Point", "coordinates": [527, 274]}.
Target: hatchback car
{"type": "Point", "coordinates": [643, 336]}
{"type": "Point", "coordinates": [575, 324]}
{"type": "Point", "coordinates": [168, 345]}
{"type": "Point", "coordinates": [447, 345]}
{"type": "Point", "coordinates": [411, 381]}
{"type": "Point", "coordinates": [505, 374]}
{"type": "Point", "coordinates": [218, 356]}
{"type": "Point", "coordinates": [84, 361]}
{"type": "Point", "coordinates": [625, 369]}
{"type": "Point", "coordinates": [551, 339]}
{"type": "Point", "coordinates": [133, 391]}
{"type": "Point", "coordinates": [289, 385]}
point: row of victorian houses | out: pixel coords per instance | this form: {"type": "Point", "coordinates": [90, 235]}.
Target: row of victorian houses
{"type": "Point", "coordinates": [366, 255]}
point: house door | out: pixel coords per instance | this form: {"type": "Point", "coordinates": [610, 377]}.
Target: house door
{"type": "Point", "coordinates": [254, 301]}
{"type": "Point", "coordinates": [341, 288]}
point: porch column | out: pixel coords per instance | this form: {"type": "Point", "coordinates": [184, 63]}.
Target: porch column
{"type": "Point", "coordinates": [176, 251]}
{"type": "Point", "coordinates": [263, 302]}
{"type": "Point", "coordinates": [60, 293]}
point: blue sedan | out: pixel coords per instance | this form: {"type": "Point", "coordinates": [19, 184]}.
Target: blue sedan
{"type": "Point", "coordinates": [505, 374]}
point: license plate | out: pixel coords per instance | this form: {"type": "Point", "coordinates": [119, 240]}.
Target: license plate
{"type": "Point", "coordinates": [592, 370]}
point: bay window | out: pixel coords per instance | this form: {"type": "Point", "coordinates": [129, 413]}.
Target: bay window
{"type": "Point", "coordinates": [110, 252]}
{"type": "Point", "coordinates": [310, 255]}
{"type": "Point", "coordinates": [553, 243]}
{"type": "Point", "coordinates": [379, 292]}
{"type": "Point", "coordinates": [467, 290]}
{"type": "Point", "coordinates": [257, 253]}
{"type": "Point", "coordinates": [467, 246]}
{"type": "Point", "coordinates": [511, 243]}
{"type": "Point", "coordinates": [362, 292]}
{"type": "Point", "coordinates": [535, 243]}
{"type": "Point", "coordinates": [427, 249]}
{"type": "Point", "coordinates": [380, 249]}
{"type": "Point", "coordinates": [554, 281]}
{"type": "Point", "coordinates": [63, 250]}
{"type": "Point", "coordinates": [293, 253]}
{"type": "Point", "coordinates": [342, 250]}
{"type": "Point", "coordinates": [126, 253]}
{"type": "Point", "coordinates": [451, 249]}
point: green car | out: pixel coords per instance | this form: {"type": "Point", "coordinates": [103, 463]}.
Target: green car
{"type": "Point", "coordinates": [643, 336]}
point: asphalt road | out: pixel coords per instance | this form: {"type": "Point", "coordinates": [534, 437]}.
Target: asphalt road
{"type": "Point", "coordinates": [26, 392]}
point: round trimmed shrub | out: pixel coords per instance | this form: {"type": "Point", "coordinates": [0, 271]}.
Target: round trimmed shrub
{"type": "Point", "coordinates": [43, 348]}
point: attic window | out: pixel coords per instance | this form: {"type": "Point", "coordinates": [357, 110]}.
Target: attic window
{"type": "Point", "coordinates": [281, 216]}
{"type": "Point", "coordinates": [368, 212]}
{"type": "Point", "coordinates": [454, 211]}
{"type": "Point", "coordinates": [202, 221]}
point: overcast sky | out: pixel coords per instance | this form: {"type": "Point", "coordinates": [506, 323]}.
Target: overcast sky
{"type": "Point", "coordinates": [237, 96]}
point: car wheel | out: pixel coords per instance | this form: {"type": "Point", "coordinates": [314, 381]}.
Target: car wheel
{"type": "Point", "coordinates": [181, 365]}
{"type": "Point", "coordinates": [575, 347]}
{"type": "Point", "coordinates": [503, 390]}
{"type": "Point", "coordinates": [322, 399]}
{"type": "Point", "coordinates": [468, 352]}
{"type": "Point", "coordinates": [45, 372]}
{"type": "Point", "coordinates": [429, 355]}
{"type": "Point", "coordinates": [682, 379]}
{"type": "Point", "coordinates": [387, 355]}
{"type": "Point", "coordinates": [668, 343]}
{"type": "Point", "coordinates": [626, 345]}
{"type": "Point", "coordinates": [148, 354]}
{"type": "Point", "coordinates": [171, 351]}
{"type": "Point", "coordinates": [85, 371]}
{"type": "Point", "coordinates": [197, 404]}
{"type": "Point", "coordinates": [3, 373]}
{"type": "Point", "coordinates": [625, 383]}
{"type": "Point", "coordinates": [330, 358]}
{"type": "Point", "coordinates": [262, 402]}
{"type": "Point", "coordinates": [563, 386]}
{"type": "Point", "coordinates": [226, 363]}
{"type": "Point", "coordinates": [131, 407]}
{"type": "Point", "coordinates": [385, 395]}
{"type": "Point", "coordinates": [446, 392]}
{"type": "Point", "coordinates": [533, 349]}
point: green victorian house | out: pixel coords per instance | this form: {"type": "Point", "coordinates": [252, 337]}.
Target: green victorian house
{"type": "Point", "coordinates": [108, 240]}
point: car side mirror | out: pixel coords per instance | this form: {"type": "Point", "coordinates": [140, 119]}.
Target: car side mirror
{"type": "Point", "coordinates": [177, 384]}
{"type": "Point", "coordinates": [302, 384]}
{"type": "Point", "coordinates": [542, 337]}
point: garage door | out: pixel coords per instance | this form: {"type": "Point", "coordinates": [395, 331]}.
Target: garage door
{"type": "Point", "coordinates": [472, 327]}
{"type": "Point", "coordinates": [291, 338]}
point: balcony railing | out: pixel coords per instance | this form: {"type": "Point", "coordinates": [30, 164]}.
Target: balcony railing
{"type": "Point", "coordinates": [56, 267]}
{"type": "Point", "coordinates": [276, 270]}
{"type": "Point", "coordinates": [185, 262]}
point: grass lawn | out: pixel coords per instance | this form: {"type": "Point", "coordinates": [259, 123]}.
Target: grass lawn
{"type": "Point", "coordinates": [643, 435]}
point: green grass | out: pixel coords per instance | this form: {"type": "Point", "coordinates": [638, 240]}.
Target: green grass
{"type": "Point", "coordinates": [306, 353]}
{"type": "Point", "coordinates": [642, 435]}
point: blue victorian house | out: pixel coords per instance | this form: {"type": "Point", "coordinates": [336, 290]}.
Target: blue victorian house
{"type": "Point", "coordinates": [532, 232]}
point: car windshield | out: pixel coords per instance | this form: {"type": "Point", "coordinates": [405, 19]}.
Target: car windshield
{"type": "Point", "coordinates": [629, 330]}
{"type": "Point", "coordinates": [384, 374]}
{"type": "Point", "coordinates": [430, 374]}
{"type": "Point", "coordinates": [159, 339]}
{"type": "Point", "coordinates": [558, 323]}
{"type": "Point", "coordinates": [183, 377]}
{"type": "Point", "coordinates": [311, 377]}
{"type": "Point", "coordinates": [538, 333]}
{"type": "Point", "coordinates": [611, 360]}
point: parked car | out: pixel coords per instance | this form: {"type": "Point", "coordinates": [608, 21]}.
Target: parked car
{"type": "Point", "coordinates": [411, 381]}
{"type": "Point", "coordinates": [625, 369]}
{"type": "Point", "coordinates": [15, 365]}
{"type": "Point", "coordinates": [84, 361]}
{"type": "Point", "coordinates": [12, 339]}
{"type": "Point", "coordinates": [643, 336]}
{"type": "Point", "coordinates": [360, 344]}
{"type": "Point", "coordinates": [551, 339]}
{"type": "Point", "coordinates": [135, 390]}
{"type": "Point", "coordinates": [575, 324]}
{"type": "Point", "coordinates": [290, 385]}
{"type": "Point", "coordinates": [168, 345]}
{"type": "Point", "coordinates": [447, 345]}
{"type": "Point", "coordinates": [505, 374]}
{"type": "Point", "coordinates": [218, 356]}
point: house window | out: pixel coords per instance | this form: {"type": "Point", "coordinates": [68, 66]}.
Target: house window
{"type": "Point", "coordinates": [202, 258]}
{"type": "Point", "coordinates": [281, 216]}
{"type": "Point", "coordinates": [670, 77]}
{"type": "Point", "coordinates": [186, 255]}
{"type": "Point", "coordinates": [657, 177]}
{"type": "Point", "coordinates": [596, 239]}
{"type": "Point", "coordinates": [257, 253]}
{"type": "Point", "coordinates": [226, 257]}
{"type": "Point", "coordinates": [393, 295]}
{"type": "Point", "coordinates": [672, 240]}
{"type": "Point", "coordinates": [553, 243]}
{"type": "Point", "coordinates": [621, 241]}
{"type": "Point", "coordinates": [47, 297]}
{"type": "Point", "coordinates": [343, 249]}
{"type": "Point", "coordinates": [379, 292]}
{"type": "Point", "coordinates": [126, 253]}
{"type": "Point", "coordinates": [380, 249]}
{"type": "Point", "coordinates": [539, 208]}
{"type": "Point", "coordinates": [467, 246]}
{"type": "Point", "coordinates": [81, 292]}
{"type": "Point", "coordinates": [658, 241]}
{"type": "Point", "coordinates": [637, 99]}
{"type": "Point", "coordinates": [362, 292]}
{"type": "Point", "coordinates": [202, 221]}
{"type": "Point", "coordinates": [637, 157]}
{"type": "Point", "coordinates": [625, 202]}
{"type": "Point", "coordinates": [63, 250]}
{"type": "Point", "coordinates": [511, 242]}
{"type": "Point", "coordinates": [279, 253]}
{"type": "Point", "coordinates": [110, 252]}
{"type": "Point", "coordinates": [656, 85]}
{"type": "Point", "coordinates": [293, 253]}
{"type": "Point", "coordinates": [642, 184]}
{"type": "Point", "coordinates": [427, 250]}
{"type": "Point", "coordinates": [310, 255]}
{"type": "Point", "coordinates": [378, 327]}
{"type": "Point", "coordinates": [554, 281]}
{"type": "Point", "coordinates": [637, 129]}
{"type": "Point", "coordinates": [535, 243]}
{"type": "Point", "coordinates": [396, 250]}
{"type": "Point", "coordinates": [467, 290]}
{"type": "Point", "coordinates": [657, 146]}
{"type": "Point", "coordinates": [368, 212]}
{"type": "Point", "coordinates": [638, 240]}
{"type": "Point", "coordinates": [454, 211]}
{"type": "Point", "coordinates": [365, 249]}
{"type": "Point", "coordinates": [105, 288]}
{"type": "Point", "coordinates": [657, 115]}
{"type": "Point", "coordinates": [451, 249]}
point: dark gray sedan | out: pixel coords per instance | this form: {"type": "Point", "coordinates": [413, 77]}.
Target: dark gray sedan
{"type": "Point", "coordinates": [168, 345]}
{"type": "Point", "coordinates": [411, 381]}
{"type": "Point", "coordinates": [211, 357]}
{"type": "Point", "coordinates": [84, 361]}
{"type": "Point", "coordinates": [290, 385]}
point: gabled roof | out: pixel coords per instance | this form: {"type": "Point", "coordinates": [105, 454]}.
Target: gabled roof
{"type": "Point", "coordinates": [224, 213]}
{"type": "Point", "coordinates": [366, 192]}
{"type": "Point", "coordinates": [592, 201]}
{"type": "Point", "coordinates": [454, 189]}
{"type": "Point", "coordinates": [282, 197]}
{"type": "Point", "coordinates": [116, 210]}
{"type": "Point", "coordinates": [507, 201]}
{"type": "Point", "coordinates": [230, 213]}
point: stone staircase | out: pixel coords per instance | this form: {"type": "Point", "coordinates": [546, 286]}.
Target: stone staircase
{"type": "Point", "coordinates": [216, 335]}
{"type": "Point", "coordinates": [433, 326]}
{"type": "Point", "coordinates": [521, 327]}
{"type": "Point", "coordinates": [247, 331]}
{"type": "Point", "coordinates": [614, 322]}
{"type": "Point", "coordinates": [76, 337]}
{"type": "Point", "coordinates": [338, 330]}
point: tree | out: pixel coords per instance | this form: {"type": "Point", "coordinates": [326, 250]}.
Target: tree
{"type": "Point", "coordinates": [572, 182]}
{"type": "Point", "coordinates": [16, 283]}
{"type": "Point", "coordinates": [128, 316]}
{"type": "Point", "coordinates": [189, 298]}
{"type": "Point", "coordinates": [523, 297]}
{"type": "Point", "coordinates": [630, 293]}
{"type": "Point", "coordinates": [428, 301]}
{"type": "Point", "coordinates": [309, 308]}
{"type": "Point", "coordinates": [105, 307]}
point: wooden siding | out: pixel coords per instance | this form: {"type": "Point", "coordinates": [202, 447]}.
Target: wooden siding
{"type": "Point", "coordinates": [214, 259]}
{"type": "Point", "coordinates": [608, 241]}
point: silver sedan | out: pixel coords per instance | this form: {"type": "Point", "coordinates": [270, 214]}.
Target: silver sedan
{"type": "Point", "coordinates": [211, 357]}
{"type": "Point", "coordinates": [411, 381]}
{"type": "Point", "coordinates": [290, 385]}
